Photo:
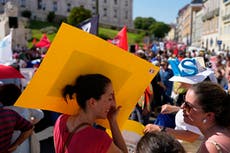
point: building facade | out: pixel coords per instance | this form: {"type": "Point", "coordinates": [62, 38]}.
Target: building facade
{"type": "Point", "coordinates": [112, 12]}
{"type": "Point", "coordinates": [211, 23]}
{"type": "Point", "coordinates": [187, 23]}
{"type": "Point", "coordinates": [9, 19]}
{"type": "Point", "coordinates": [206, 25]}
{"type": "Point", "coordinates": [197, 27]}
{"type": "Point", "coordinates": [224, 41]}
{"type": "Point", "coordinates": [186, 33]}
{"type": "Point", "coordinates": [182, 23]}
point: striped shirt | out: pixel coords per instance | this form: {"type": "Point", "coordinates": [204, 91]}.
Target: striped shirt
{"type": "Point", "coordinates": [10, 121]}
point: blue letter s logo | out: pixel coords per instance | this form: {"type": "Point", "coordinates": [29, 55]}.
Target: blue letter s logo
{"type": "Point", "coordinates": [188, 67]}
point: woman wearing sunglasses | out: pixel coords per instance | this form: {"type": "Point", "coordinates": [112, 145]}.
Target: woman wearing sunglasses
{"type": "Point", "coordinates": [182, 131]}
{"type": "Point", "coordinates": [207, 106]}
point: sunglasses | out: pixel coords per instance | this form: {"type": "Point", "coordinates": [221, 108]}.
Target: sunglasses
{"type": "Point", "coordinates": [188, 106]}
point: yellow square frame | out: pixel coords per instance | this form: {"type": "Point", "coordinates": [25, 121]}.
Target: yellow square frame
{"type": "Point", "coordinates": [74, 52]}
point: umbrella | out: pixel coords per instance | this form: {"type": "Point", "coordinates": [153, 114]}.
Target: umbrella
{"type": "Point", "coordinates": [7, 72]}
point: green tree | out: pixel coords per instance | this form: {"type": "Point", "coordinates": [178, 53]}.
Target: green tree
{"type": "Point", "coordinates": [143, 23]}
{"type": "Point", "coordinates": [159, 29]}
{"type": "Point", "coordinates": [138, 22]}
{"type": "Point", "coordinates": [51, 16]}
{"type": "Point", "coordinates": [77, 15]}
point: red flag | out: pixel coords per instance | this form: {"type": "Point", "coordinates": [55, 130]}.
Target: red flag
{"type": "Point", "coordinates": [44, 42]}
{"type": "Point", "coordinates": [121, 39]}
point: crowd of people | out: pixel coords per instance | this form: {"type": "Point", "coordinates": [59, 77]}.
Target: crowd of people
{"type": "Point", "coordinates": [186, 107]}
{"type": "Point", "coordinates": [169, 103]}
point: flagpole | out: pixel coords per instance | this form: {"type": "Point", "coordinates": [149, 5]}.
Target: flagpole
{"type": "Point", "coordinates": [97, 13]}
{"type": "Point", "coordinates": [97, 9]}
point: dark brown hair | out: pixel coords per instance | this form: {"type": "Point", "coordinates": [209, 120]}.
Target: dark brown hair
{"type": "Point", "coordinates": [9, 94]}
{"type": "Point", "coordinates": [86, 87]}
{"type": "Point", "coordinates": [212, 98]}
{"type": "Point", "coordinates": [159, 142]}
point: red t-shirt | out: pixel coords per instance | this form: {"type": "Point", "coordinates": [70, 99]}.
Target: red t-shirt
{"type": "Point", "coordinates": [87, 140]}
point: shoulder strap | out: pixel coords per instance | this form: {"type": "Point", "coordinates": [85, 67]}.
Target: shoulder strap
{"type": "Point", "coordinates": [218, 148]}
{"type": "Point", "coordinates": [71, 135]}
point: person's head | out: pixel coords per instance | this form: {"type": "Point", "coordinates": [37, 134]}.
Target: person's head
{"type": "Point", "coordinates": [206, 104]}
{"type": "Point", "coordinates": [90, 88]}
{"type": "Point", "coordinates": [159, 142]}
{"type": "Point", "coordinates": [164, 64]}
{"type": "Point", "coordinates": [141, 54]}
{"type": "Point", "coordinates": [9, 94]}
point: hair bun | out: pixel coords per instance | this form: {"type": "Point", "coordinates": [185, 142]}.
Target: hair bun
{"type": "Point", "coordinates": [68, 90]}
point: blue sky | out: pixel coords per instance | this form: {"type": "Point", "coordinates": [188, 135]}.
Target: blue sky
{"type": "Point", "coordinates": [161, 10]}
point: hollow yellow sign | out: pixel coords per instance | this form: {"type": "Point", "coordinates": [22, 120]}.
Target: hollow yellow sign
{"type": "Point", "coordinates": [74, 52]}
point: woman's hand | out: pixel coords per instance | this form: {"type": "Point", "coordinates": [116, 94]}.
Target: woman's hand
{"type": "Point", "coordinates": [152, 128]}
{"type": "Point", "coordinates": [113, 112]}
{"type": "Point", "coordinates": [167, 109]}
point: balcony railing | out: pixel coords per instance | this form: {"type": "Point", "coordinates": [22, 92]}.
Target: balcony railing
{"type": "Point", "coordinates": [226, 17]}
{"type": "Point", "coordinates": [211, 14]}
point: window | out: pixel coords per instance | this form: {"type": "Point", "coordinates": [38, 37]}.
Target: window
{"type": "Point", "coordinates": [55, 8]}
{"type": "Point", "coordinates": [105, 1]}
{"type": "Point", "coordinates": [44, 6]}
{"type": "Point", "coordinates": [22, 3]}
{"type": "Point", "coordinates": [39, 4]}
{"type": "Point", "coordinates": [68, 7]}
{"type": "Point", "coordinates": [115, 13]}
{"type": "Point", "coordinates": [3, 2]}
{"type": "Point", "coordinates": [126, 14]}
{"type": "Point", "coordinates": [105, 12]}
{"type": "Point", "coordinates": [93, 10]}
{"type": "Point", "coordinates": [211, 42]}
{"type": "Point", "coordinates": [126, 3]}
{"type": "Point", "coordinates": [115, 2]}
{"type": "Point", "coordinates": [228, 29]}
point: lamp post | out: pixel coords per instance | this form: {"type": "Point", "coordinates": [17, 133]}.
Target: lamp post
{"type": "Point", "coordinates": [97, 14]}
{"type": "Point", "coordinates": [97, 9]}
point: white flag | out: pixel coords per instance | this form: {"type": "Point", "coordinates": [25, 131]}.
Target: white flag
{"type": "Point", "coordinates": [6, 54]}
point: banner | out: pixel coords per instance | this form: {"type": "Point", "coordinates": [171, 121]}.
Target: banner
{"type": "Point", "coordinates": [6, 54]}
{"type": "Point", "coordinates": [90, 25]}
{"type": "Point", "coordinates": [190, 70]}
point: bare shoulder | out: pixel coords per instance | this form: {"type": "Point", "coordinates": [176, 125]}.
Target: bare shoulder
{"type": "Point", "coordinates": [212, 146]}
